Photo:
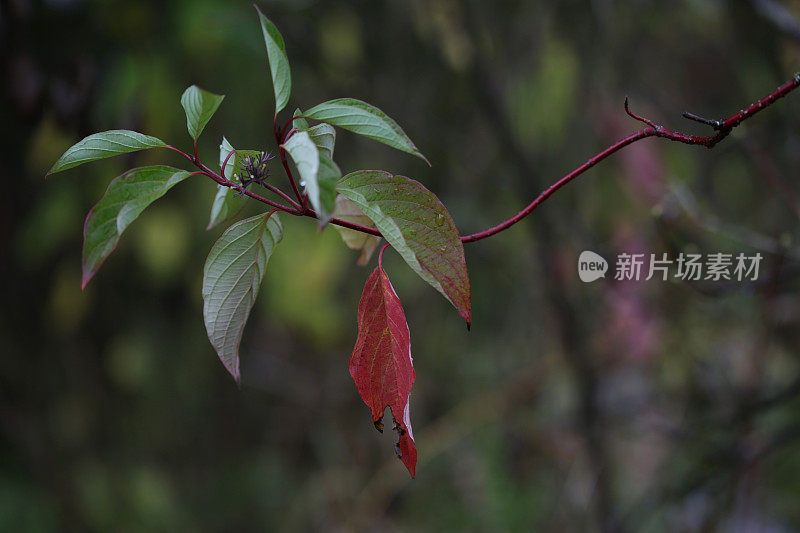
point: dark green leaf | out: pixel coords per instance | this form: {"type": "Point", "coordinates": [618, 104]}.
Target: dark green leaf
{"type": "Point", "coordinates": [364, 119]}
{"type": "Point", "coordinates": [102, 145]}
{"type": "Point", "coordinates": [418, 226]}
{"type": "Point", "coordinates": [127, 196]}
{"type": "Point", "coordinates": [231, 279]}
{"type": "Point", "coordinates": [200, 106]}
{"type": "Point", "coordinates": [278, 62]}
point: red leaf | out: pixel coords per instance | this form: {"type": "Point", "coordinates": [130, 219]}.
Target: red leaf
{"type": "Point", "coordinates": [381, 363]}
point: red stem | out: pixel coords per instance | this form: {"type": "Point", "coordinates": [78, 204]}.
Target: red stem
{"type": "Point", "coordinates": [303, 206]}
{"type": "Point", "coordinates": [723, 128]}
{"type": "Point", "coordinates": [380, 255]}
{"type": "Point", "coordinates": [780, 92]}
{"type": "Point", "coordinates": [265, 185]}
{"type": "Point", "coordinates": [227, 183]}
{"type": "Point", "coordinates": [560, 183]}
{"type": "Point", "coordinates": [291, 122]}
{"type": "Point", "coordinates": [289, 175]}
{"type": "Point", "coordinates": [184, 154]}
{"type": "Point", "coordinates": [225, 163]}
{"type": "Point", "coordinates": [282, 195]}
{"type": "Point", "coordinates": [288, 122]}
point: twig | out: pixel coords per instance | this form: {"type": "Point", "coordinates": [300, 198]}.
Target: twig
{"type": "Point", "coordinates": [723, 127]}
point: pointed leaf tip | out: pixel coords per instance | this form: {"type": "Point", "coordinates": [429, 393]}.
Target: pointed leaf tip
{"type": "Point", "coordinates": [278, 61]}
{"type": "Point", "coordinates": [231, 279]}
{"type": "Point", "coordinates": [125, 199]}
{"type": "Point", "coordinates": [102, 145]}
{"type": "Point", "coordinates": [200, 106]}
{"type": "Point", "coordinates": [381, 363]}
{"type": "Point", "coordinates": [367, 120]}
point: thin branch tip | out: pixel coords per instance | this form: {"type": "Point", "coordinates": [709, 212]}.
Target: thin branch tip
{"type": "Point", "coordinates": [637, 117]}
{"type": "Point", "coordinates": [716, 124]}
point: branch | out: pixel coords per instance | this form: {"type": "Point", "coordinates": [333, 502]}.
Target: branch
{"type": "Point", "coordinates": [265, 185]}
{"type": "Point", "coordinates": [723, 127]}
{"type": "Point", "coordinates": [228, 183]}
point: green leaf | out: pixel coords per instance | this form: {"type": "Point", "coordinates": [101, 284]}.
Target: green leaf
{"type": "Point", "coordinates": [278, 62]}
{"type": "Point", "coordinates": [227, 202]}
{"type": "Point", "coordinates": [127, 196]}
{"type": "Point", "coordinates": [327, 178]}
{"type": "Point", "coordinates": [299, 123]}
{"type": "Point", "coordinates": [364, 119]}
{"type": "Point", "coordinates": [102, 145]}
{"type": "Point", "coordinates": [200, 106]}
{"type": "Point", "coordinates": [324, 136]}
{"type": "Point", "coordinates": [231, 279]}
{"type": "Point", "coordinates": [306, 158]}
{"type": "Point", "coordinates": [348, 211]}
{"type": "Point", "coordinates": [418, 226]}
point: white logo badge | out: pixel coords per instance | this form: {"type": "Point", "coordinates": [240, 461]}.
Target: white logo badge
{"type": "Point", "coordinates": [591, 266]}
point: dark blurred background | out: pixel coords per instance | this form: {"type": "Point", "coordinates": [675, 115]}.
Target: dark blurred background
{"type": "Point", "coordinates": [639, 406]}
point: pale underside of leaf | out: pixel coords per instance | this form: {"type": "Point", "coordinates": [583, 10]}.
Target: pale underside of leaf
{"type": "Point", "coordinates": [127, 196]}
{"type": "Point", "coordinates": [309, 164]}
{"type": "Point", "coordinates": [231, 279]}
{"type": "Point", "coordinates": [348, 211]}
{"type": "Point", "coordinates": [102, 145]}
{"type": "Point", "coordinates": [418, 227]}
{"type": "Point", "coordinates": [225, 205]}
